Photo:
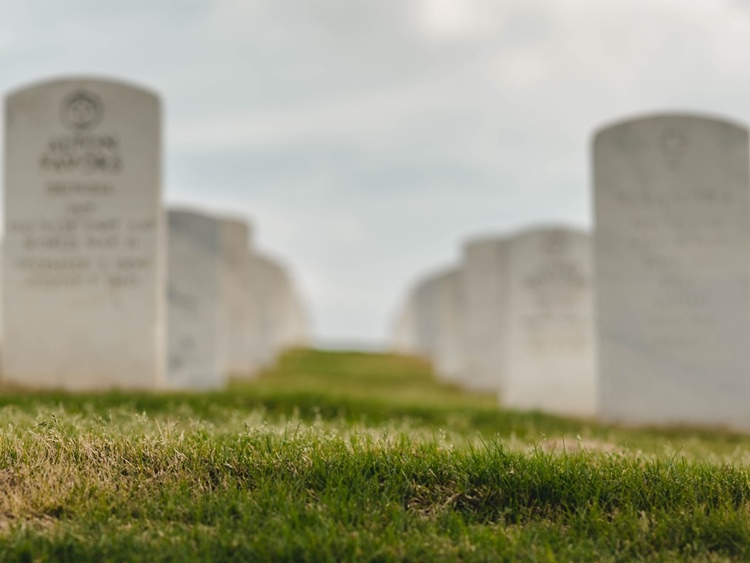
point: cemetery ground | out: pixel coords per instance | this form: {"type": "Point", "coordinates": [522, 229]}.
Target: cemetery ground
{"type": "Point", "coordinates": [355, 457]}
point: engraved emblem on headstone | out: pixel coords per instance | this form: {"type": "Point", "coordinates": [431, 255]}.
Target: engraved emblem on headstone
{"type": "Point", "coordinates": [553, 242]}
{"type": "Point", "coordinates": [674, 145]}
{"type": "Point", "coordinates": [81, 110]}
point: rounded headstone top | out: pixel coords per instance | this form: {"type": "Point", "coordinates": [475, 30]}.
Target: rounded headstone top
{"type": "Point", "coordinates": [82, 106]}
{"type": "Point", "coordinates": [435, 277]}
{"type": "Point", "coordinates": [270, 262]}
{"type": "Point", "coordinates": [237, 227]}
{"type": "Point", "coordinates": [191, 212]}
{"type": "Point", "coordinates": [81, 87]}
{"type": "Point", "coordinates": [550, 232]}
{"type": "Point", "coordinates": [666, 119]}
{"type": "Point", "coordinates": [191, 220]}
{"type": "Point", "coordinates": [451, 274]}
{"type": "Point", "coordinates": [550, 242]}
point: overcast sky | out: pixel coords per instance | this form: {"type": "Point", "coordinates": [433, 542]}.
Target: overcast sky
{"type": "Point", "coordinates": [365, 139]}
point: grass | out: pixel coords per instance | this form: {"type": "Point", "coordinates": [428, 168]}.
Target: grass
{"type": "Point", "coordinates": [356, 457]}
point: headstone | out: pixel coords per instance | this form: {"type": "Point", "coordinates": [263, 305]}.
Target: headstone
{"type": "Point", "coordinates": [283, 317]}
{"type": "Point", "coordinates": [672, 207]}
{"type": "Point", "coordinates": [298, 333]}
{"type": "Point", "coordinates": [83, 272]}
{"type": "Point", "coordinates": [272, 308]}
{"type": "Point", "coordinates": [437, 310]}
{"type": "Point", "coordinates": [550, 363]}
{"type": "Point", "coordinates": [239, 339]}
{"type": "Point", "coordinates": [194, 301]}
{"type": "Point", "coordinates": [404, 331]}
{"type": "Point", "coordinates": [485, 285]}
{"type": "Point", "coordinates": [425, 298]}
{"type": "Point", "coordinates": [292, 321]}
{"type": "Point", "coordinates": [449, 357]}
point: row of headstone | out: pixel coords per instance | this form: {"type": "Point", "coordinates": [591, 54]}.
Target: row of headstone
{"type": "Point", "coordinates": [515, 317]}
{"type": "Point", "coordinates": [649, 322]}
{"type": "Point", "coordinates": [230, 310]}
{"type": "Point", "coordinates": [102, 288]}
{"type": "Point", "coordinates": [430, 324]}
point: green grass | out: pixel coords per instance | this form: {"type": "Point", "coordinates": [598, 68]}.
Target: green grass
{"type": "Point", "coordinates": [358, 457]}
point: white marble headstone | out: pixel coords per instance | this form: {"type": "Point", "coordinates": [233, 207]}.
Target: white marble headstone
{"type": "Point", "coordinates": [437, 311]}
{"type": "Point", "coordinates": [284, 316]}
{"type": "Point", "coordinates": [485, 285]}
{"type": "Point", "coordinates": [449, 354]}
{"type": "Point", "coordinates": [672, 206]}
{"type": "Point", "coordinates": [83, 276]}
{"type": "Point", "coordinates": [298, 330]}
{"type": "Point", "coordinates": [239, 340]}
{"type": "Point", "coordinates": [404, 330]}
{"type": "Point", "coordinates": [272, 308]}
{"type": "Point", "coordinates": [194, 301]}
{"type": "Point", "coordinates": [426, 317]}
{"type": "Point", "coordinates": [550, 359]}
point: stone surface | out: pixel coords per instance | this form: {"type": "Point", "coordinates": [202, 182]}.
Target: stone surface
{"type": "Point", "coordinates": [194, 300]}
{"type": "Point", "coordinates": [404, 329]}
{"type": "Point", "coordinates": [425, 299]}
{"type": "Point", "coordinates": [449, 357]}
{"type": "Point", "coordinates": [437, 310]}
{"type": "Point", "coordinates": [550, 359]}
{"type": "Point", "coordinates": [297, 334]}
{"type": "Point", "coordinates": [273, 309]}
{"type": "Point", "coordinates": [485, 285]}
{"type": "Point", "coordinates": [239, 339]}
{"type": "Point", "coordinates": [672, 207]}
{"type": "Point", "coordinates": [83, 276]}
{"type": "Point", "coordinates": [280, 320]}
{"type": "Point", "coordinates": [293, 319]}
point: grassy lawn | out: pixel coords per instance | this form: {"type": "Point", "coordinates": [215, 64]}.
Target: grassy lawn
{"type": "Point", "coordinates": [356, 457]}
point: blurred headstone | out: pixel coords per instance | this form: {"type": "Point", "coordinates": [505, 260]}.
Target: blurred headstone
{"type": "Point", "coordinates": [297, 329]}
{"type": "Point", "coordinates": [550, 352]}
{"type": "Point", "coordinates": [672, 209]}
{"type": "Point", "coordinates": [272, 308]}
{"type": "Point", "coordinates": [194, 301]}
{"type": "Point", "coordinates": [449, 359]}
{"type": "Point", "coordinates": [83, 272]}
{"type": "Point", "coordinates": [238, 317]}
{"type": "Point", "coordinates": [426, 325]}
{"type": "Point", "coordinates": [485, 285]}
{"type": "Point", "coordinates": [438, 316]}
{"type": "Point", "coordinates": [404, 329]}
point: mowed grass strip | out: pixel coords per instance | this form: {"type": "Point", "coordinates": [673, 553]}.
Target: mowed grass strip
{"type": "Point", "coordinates": [367, 390]}
{"type": "Point", "coordinates": [304, 493]}
{"type": "Point", "coordinates": [337, 457]}
{"type": "Point", "coordinates": [72, 491]}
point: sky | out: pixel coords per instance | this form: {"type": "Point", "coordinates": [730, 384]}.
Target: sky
{"type": "Point", "coordinates": [366, 140]}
